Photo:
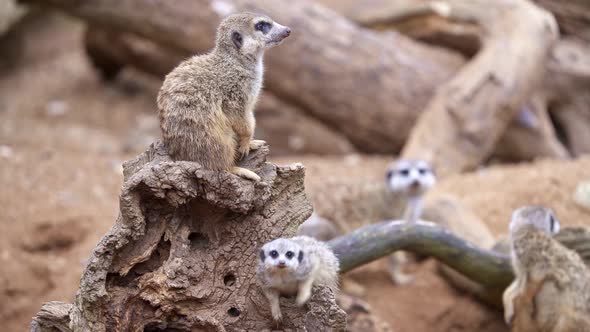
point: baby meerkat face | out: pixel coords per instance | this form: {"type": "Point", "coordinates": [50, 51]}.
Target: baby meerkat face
{"type": "Point", "coordinates": [249, 35]}
{"type": "Point", "coordinates": [411, 177]}
{"type": "Point", "coordinates": [281, 255]}
{"type": "Point", "coordinates": [539, 217]}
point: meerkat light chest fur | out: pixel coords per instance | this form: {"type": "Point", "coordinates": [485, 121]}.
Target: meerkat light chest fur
{"type": "Point", "coordinates": [551, 291]}
{"type": "Point", "coordinates": [291, 266]}
{"type": "Point", "coordinates": [206, 104]}
{"type": "Point", "coordinates": [411, 179]}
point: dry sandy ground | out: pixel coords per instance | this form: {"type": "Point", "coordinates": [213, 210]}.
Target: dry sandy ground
{"type": "Point", "coordinates": [64, 134]}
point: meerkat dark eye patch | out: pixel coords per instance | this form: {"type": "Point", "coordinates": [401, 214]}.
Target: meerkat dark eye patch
{"type": "Point", "coordinates": [389, 174]}
{"type": "Point", "coordinates": [263, 27]}
{"type": "Point", "coordinates": [422, 171]}
{"type": "Point", "coordinates": [300, 257]}
{"type": "Point", "coordinates": [289, 254]}
{"type": "Point", "coordinates": [404, 172]}
{"type": "Point", "coordinates": [262, 255]}
{"type": "Point", "coordinates": [236, 37]}
{"type": "Point", "coordinates": [274, 254]}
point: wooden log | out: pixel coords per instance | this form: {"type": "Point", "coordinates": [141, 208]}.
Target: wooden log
{"type": "Point", "coordinates": [462, 124]}
{"type": "Point", "coordinates": [366, 85]}
{"type": "Point", "coordinates": [573, 16]}
{"type": "Point", "coordinates": [531, 135]}
{"type": "Point", "coordinates": [184, 251]}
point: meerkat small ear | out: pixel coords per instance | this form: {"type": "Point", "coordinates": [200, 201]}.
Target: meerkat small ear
{"type": "Point", "coordinates": [236, 37]}
{"type": "Point", "coordinates": [300, 257]}
{"type": "Point", "coordinates": [262, 255]}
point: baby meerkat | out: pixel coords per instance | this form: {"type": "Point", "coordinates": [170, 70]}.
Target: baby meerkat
{"type": "Point", "coordinates": [551, 291]}
{"type": "Point", "coordinates": [206, 104]}
{"type": "Point", "coordinates": [410, 179]}
{"type": "Point", "coordinates": [290, 266]}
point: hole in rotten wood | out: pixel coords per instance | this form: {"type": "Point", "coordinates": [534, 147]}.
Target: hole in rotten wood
{"type": "Point", "coordinates": [229, 279]}
{"type": "Point", "coordinates": [234, 312]}
{"type": "Point", "coordinates": [198, 240]}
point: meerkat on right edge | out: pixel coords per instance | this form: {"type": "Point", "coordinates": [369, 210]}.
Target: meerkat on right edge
{"type": "Point", "coordinates": [206, 104]}
{"type": "Point", "coordinates": [411, 179]}
{"type": "Point", "coordinates": [551, 291]}
{"type": "Point", "coordinates": [290, 266]}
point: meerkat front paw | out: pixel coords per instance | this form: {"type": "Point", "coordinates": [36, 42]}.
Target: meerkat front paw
{"type": "Point", "coordinates": [246, 173]}
{"type": "Point", "coordinates": [277, 316]}
{"type": "Point", "coordinates": [302, 297]}
{"type": "Point", "coordinates": [243, 150]}
{"type": "Point", "coordinates": [256, 144]}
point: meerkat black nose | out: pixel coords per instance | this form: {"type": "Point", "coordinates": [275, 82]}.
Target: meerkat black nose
{"type": "Point", "coordinates": [286, 32]}
{"type": "Point", "coordinates": [282, 264]}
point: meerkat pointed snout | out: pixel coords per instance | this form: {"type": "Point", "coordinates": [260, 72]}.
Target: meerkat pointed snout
{"type": "Point", "coordinates": [411, 178]}
{"type": "Point", "coordinates": [206, 104]}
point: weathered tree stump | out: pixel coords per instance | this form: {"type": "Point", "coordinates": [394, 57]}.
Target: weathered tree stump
{"type": "Point", "coordinates": [183, 253]}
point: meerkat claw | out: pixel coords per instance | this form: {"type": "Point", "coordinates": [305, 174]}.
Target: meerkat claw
{"type": "Point", "coordinates": [246, 173]}
{"type": "Point", "coordinates": [278, 318]}
{"type": "Point", "coordinates": [256, 144]}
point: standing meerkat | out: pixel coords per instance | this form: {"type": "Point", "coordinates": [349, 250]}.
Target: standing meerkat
{"type": "Point", "coordinates": [411, 179]}
{"type": "Point", "coordinates": [293, 266]}
{"type": "Point", "coordinates": [551, 291]}
{"type": "Point", "coordinates": [206, 104]}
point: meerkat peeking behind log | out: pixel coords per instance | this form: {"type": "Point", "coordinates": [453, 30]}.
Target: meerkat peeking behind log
{"type": "Point", "coordinates": [551, 291]}
{"type": "Point", "coordinates": [206, 104]}
{"type": "Point", "coordinates": [411, 179]}
{"type": "Point", "coordinates": [293, 266]}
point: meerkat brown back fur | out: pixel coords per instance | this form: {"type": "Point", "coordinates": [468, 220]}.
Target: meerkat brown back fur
{"type": "Point", "coordinates": [206, 104]}
{"type": "Point", "coordinates": [551, 291]}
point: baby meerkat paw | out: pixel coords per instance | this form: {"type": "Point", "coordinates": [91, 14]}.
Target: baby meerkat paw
{"type": "Point", "coordinates": [246, 173]}
{"type": "Point", "coordinates": [277, 316]}
{"type": "Point", "coordinates": [256, 144]}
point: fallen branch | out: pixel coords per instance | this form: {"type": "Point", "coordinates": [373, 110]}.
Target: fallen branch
{"type": "Point", "coordinates": [375, 241]}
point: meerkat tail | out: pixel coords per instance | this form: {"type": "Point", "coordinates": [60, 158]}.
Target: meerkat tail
{"type": "Point", "coordinates": [245, 173]}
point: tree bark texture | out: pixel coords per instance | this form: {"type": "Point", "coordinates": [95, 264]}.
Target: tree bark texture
{"type": "Point", "coordinates": [183, 253]}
